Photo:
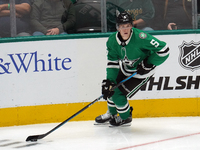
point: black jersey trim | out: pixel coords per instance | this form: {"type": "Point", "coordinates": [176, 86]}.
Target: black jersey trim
{"type": "Point", "coordinates": [166, 51]}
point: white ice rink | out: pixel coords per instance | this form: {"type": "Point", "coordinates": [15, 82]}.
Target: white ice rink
{"type": "Point", "coordinates": [178, 133]}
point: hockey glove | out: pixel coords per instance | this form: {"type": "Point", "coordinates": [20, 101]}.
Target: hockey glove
{"type": "Point", "coordinates": [107, 85]}
{"type": "Point", "coordinates": [144, 68]}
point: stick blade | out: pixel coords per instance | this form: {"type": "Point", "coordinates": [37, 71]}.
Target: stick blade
{"type": "Point", "coordinates": [34, 138]}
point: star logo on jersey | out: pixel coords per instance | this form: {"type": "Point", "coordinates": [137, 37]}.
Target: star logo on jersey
{"type": "Point", "coordinates": [128, 62]}
{"type": "Point", "coordinates": [189, 57]}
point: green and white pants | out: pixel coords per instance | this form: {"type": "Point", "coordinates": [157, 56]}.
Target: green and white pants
{"type": "Point", "coordinates": [118, 103]}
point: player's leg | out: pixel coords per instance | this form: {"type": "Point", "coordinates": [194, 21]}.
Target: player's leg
{"type": "Point", "coordinates": [123, 109]}
{"type": "Point", "coordinates": [105, 118]}
{"type": "Point", "coordinates": [131, 87]}
{"type": "Point", "coordinates": [128, 89]}
{"type": "Point", "coordinates": [117, 104]}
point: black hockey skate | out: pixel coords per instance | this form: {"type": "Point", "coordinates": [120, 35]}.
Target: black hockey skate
{"type": "Point", "coordinates": [103, 119]}
{"type": "Point", "coordinates": [118, 121]}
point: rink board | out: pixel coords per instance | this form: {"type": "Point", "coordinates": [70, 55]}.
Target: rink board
{"type": "Point", "coordinates": [60, 112]}
{"type": "Point", "coordinates": [48, 79]}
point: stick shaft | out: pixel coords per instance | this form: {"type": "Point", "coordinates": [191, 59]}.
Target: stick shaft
{"type": "Point", "coordinates": [120, 83]}
{"type": "Point", "coordinates": [36, 137]}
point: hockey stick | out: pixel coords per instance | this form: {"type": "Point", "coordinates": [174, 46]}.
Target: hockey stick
{"type": "Point", "coordinates": [34, 138]}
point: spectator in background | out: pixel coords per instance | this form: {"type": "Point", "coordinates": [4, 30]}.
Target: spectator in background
{"type": "Point", "coordinates": [52, 17]}
{"type": "Point", "coordinates": [142, 12]}
{"type": "Point", "coordinates": [23, 8]}
{"type": "Point", "coordinates": [172, 14]}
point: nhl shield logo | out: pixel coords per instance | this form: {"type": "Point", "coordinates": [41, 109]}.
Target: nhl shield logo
{"type": "Point", "coordinates": [189, 57]}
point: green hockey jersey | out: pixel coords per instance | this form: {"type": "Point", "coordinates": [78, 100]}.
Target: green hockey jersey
{"type": "Point", "coordinates": [127, 55]}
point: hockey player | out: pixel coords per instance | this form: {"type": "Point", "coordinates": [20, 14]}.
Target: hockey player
{"type": "Point", "coordinates": [130, 50]}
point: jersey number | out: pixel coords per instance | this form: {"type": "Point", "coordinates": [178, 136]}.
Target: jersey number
{"type": "Point", "coordinates": [155, 43]}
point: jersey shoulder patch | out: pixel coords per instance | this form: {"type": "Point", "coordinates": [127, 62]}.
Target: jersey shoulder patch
{"type": "Point", "coordinates": [142, 35]}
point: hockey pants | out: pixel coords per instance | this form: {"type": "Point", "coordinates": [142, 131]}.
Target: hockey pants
{"type": "Point", "coordinates": [118, 103]}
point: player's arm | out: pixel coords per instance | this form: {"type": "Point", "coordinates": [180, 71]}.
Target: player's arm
{"type": "Point", "coordinates": [158, 51]}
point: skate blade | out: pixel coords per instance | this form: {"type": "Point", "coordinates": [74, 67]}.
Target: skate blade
{"type": "Point", "coordinates": [123, 125]}
{"type": "Point", "coordinates": [103, 124]}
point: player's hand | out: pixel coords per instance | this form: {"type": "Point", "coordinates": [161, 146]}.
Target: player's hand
{"type": "Point", "coordinates": [144, 68]}
{"type": "Point", "coordinates": [107, 91]}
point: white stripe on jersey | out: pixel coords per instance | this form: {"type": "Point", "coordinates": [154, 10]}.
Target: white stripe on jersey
{"type": "Point", "coordinates": [113, 64]}
{"type": "Point", "coordinates": [163, 52]}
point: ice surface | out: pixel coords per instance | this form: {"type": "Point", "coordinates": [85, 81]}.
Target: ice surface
{"type": "Point", "coordinates": [171, 133]}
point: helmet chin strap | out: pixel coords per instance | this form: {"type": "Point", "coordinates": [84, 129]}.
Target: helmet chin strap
{"type": "Point", "coordinates": [117, 27]}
